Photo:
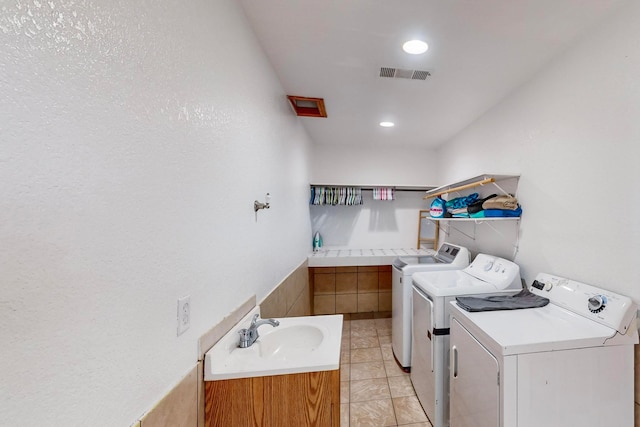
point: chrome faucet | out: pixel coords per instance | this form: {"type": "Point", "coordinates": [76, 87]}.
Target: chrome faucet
{"type": "Point", "coordinates": [249, 335]}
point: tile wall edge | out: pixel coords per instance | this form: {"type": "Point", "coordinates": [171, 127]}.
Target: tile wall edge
{"type": "Point", "coordinates": [209, 338]}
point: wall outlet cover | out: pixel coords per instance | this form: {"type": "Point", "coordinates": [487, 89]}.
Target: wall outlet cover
{"type": "Point", "coordinates": [184, 314]}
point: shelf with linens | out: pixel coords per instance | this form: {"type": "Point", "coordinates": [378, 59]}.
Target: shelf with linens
{"type": "Point", "coordinates": [485, 185]}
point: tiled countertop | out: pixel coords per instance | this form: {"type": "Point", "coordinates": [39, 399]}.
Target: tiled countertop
{"type": "Point", "coordinates": [344, 257]}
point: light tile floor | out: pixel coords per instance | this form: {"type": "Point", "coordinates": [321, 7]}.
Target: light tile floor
{"type": "Point", "coordinates": [374, 391]}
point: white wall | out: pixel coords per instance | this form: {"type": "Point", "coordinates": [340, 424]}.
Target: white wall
{"type": "Point", "coordinates": [376, 224]}
{"type": "Point", "coordinates": [408, 166]}
{"type": "Point", "coordinates": [573, 134]}
{"type": "Point", "coordinates": [134, 140]}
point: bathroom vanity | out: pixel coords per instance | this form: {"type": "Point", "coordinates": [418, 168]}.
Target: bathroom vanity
{"type": "Point", "coordinates": [290, 376]}
{"type": "Point", "coordinates": [293, 400]}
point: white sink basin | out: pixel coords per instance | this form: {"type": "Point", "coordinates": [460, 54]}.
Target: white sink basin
{"type": "Point", "coordinates": [299, 344]}
{"type": "Point", "coordinates": [290, 342]}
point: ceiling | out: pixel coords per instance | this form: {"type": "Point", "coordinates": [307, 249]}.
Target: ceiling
{"type": "Point", "coordinates": [479, 51]}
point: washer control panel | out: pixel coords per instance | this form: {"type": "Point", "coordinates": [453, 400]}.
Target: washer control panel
{"type": "Point", "coordinates": [603, 306]}
{"type": "Point", "coordinates": [503, 273]}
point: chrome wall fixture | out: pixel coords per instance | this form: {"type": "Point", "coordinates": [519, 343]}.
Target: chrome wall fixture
{"type": "Point", "coordinates": [257, 205]}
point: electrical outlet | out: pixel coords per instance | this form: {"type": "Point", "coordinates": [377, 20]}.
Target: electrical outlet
{"type": "Point", "coordinates": [184, 314]}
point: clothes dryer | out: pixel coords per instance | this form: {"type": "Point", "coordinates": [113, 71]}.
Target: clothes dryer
{"type": "Point", "coordinates": [569, 363]}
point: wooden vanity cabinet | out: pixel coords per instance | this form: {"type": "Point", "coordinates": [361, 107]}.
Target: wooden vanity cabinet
{"type": "Point", "coordinates": [294, 400]}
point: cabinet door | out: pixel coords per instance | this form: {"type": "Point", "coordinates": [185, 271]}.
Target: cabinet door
{"type": "Point", "coordinates": [310, 399]}
{"type": "Point", "coordinates": [474, 375]}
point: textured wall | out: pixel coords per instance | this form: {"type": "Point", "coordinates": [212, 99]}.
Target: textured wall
{"type": "Point", "coordinates": [334, 164]}
{"type": "Point", "coordinates": [134, 137]}
{"type": "Point", "coordinates": [572, 133]}
{"type": "Point", "coordinates": [376, 224]}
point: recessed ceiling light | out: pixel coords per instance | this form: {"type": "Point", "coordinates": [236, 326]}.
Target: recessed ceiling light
{"type": "Point", "coordinates": [387, 124]}
{"type": "Point", "coordinates": [415, 47]}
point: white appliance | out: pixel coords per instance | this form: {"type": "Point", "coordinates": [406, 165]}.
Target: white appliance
{"type": "Point", "coordinates": [448, 257]}
{"type": "Point", "coordinates": [432, 293]}
{"type": "Point", "coordinates": [569, 363]}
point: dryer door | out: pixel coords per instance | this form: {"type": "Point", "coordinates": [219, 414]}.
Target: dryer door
{"type": "Point", "coordinates": [422, 360]}
{"type": "Point", "coordinates": [474, 382]}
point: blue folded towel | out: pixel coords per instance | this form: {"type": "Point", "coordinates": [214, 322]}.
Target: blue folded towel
{"type": "Point", "coordinates": [502, 212]}
{"type": "Point", "coordinates": [497, 213]}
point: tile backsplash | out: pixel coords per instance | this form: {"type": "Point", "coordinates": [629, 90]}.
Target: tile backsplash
{"type": "Point", "coordinates": [291, 298]}
{"type": "Point", "coordinates": [354, 289]}
{"type": "Point", "coordinates": [177, 408]}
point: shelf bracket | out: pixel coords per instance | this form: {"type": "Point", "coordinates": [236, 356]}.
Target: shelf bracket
{"type": "Point", "coordinates": [516, 245]}
{"type": "Point", "coordinates": [447, 232]}
{"type": "Point", "coordinates": [504, 193]}
{"type": "Point", "coordinates": [446, 229]}
{"type": "Point", "coordinates": [479, 221]}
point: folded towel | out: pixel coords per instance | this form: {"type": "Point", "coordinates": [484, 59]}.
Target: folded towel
{"type": "Point", "coordinates": [497, 213]}
{"type": "Point", "coordinates": [501, 202]}
{"type": "Point", "coordinates": [503, 212]}
{"type": "Point", "coordinates": [523, 299]}
{"type": "Point", "coordinates": [477, 205]}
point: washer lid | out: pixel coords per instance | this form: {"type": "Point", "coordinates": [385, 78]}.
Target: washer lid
{"type": "Point", "coordinates": [549, 328]}
{"type": "Point", "coordinates": [405, 261]}
{"type": "Point", "coordinates": [449, 257]}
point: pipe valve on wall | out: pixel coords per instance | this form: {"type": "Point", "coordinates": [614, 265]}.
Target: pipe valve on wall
{"type": "Point", "coordinates": [257, 205]}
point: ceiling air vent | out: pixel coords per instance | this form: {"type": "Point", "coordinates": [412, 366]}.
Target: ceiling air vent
{"type": "Point", "coordinates": [387, 72]}
{"type": "Point", "coordinates": [308, 107]}
{"type": "Point", "coordinates": [400, 73]}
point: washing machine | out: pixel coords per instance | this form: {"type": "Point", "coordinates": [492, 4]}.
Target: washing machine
{"type": "Point", "coordinates": [432, 292]}
{"type": "Point", "coordinates": [448, 257]}
{"type": "Point", "coordinates": [569, 363]}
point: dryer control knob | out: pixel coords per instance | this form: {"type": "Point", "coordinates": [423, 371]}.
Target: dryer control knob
{"type": "Point", "coordinates": [597, 303]}
{"type": "Point", "coordinates": [488, 265]}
